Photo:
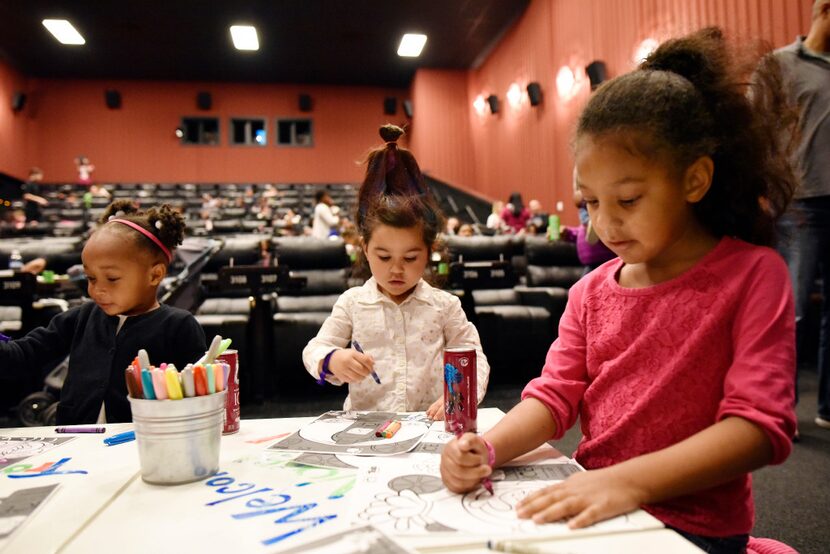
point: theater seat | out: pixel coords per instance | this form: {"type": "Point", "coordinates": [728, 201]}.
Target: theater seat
{"type": "Point", "coordinates": [229, 317]}
{"type": "Point", "coordinates": [300, 313]}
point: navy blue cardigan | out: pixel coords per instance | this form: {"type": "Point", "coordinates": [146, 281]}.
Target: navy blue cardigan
{"type": "Point", "coordinates": [98, 357]}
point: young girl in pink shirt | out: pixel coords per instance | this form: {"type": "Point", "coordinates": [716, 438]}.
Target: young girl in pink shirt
{"type": "Point", "coordinates": [678, 356]}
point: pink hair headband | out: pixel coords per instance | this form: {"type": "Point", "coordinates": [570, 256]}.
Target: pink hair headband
{"type": "Point", "coordinates": [147, 234]}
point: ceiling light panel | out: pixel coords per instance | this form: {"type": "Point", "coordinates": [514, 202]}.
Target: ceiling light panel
{"type": "Point", "coordinates": [63, 30]}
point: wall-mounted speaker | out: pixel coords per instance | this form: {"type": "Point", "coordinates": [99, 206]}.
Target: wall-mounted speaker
{"type": "Point", "coordinates": [407, 108]}
{"type": "Point", "coordinates": [596, 73]}
{"type": "Point", "coordinates": [534, 93]}
{"type": "Point", "coordinates": [390, 105]}
{"type": "Point", "coordinates": [304, 102]}
{"type": "Point", "coordinates": [493, 100]}
{"type": "Point", "coordinates": [204, 100]}
{"type": "Point", "coordinates": [18, 101]}
{"type": "Point", "coordinates": [113, 99]}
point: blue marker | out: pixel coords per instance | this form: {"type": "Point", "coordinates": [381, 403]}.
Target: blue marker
{"type": "Point", "coordinates": [147, 384]}
{"type": "Point", "coordinates": [120, 438]}
{"type": "Point", "coordinates": [374, 374]}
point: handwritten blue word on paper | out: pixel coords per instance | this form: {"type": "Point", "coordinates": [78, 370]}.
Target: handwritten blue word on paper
{"type": "Point", "coordinates": [266, 504]}
{"type": "Point", "coordinates": [48, 469]}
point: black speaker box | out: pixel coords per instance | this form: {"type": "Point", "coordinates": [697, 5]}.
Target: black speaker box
{"type": "Point", "coordinates": [305, 102]}
{"type": "Point", "coordinates": [407, 108]}
{"type": "Point", "coordinates": [534, 93]}
{"type": "Point", "coordinates": [493, 100]}
{"type": "Point", "coordinates": [113, 99]}
{"type": "Point", "coordinates": [596, 73]}
{"type": "Point", "coordinates": [204, 101]}
{"type": "Point", "coordinates": [390, 105]}
{"type": "Point", "coordinates": [18, 101]}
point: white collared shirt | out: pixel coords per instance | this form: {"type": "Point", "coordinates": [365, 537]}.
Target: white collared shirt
{"type": "Point", "coordinates": [407, 342]}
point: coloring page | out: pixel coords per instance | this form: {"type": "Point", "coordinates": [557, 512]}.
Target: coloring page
{"type": "Point", "coordinates": [354, 433]}
{"type": "Point", "coordinates": [407, 497]}
{"type": "Point", "coordinates": [357, 540]}
{"type": "Point", "coordinates": [16, 449]}
{"type": "Point", "coordinates": [20, 505]}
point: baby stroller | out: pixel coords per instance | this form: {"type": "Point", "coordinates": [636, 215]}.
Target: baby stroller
{"type": "Point", "coordinates": [41, 408]}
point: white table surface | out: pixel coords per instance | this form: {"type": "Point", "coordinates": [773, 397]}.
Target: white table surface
{"type": "Point", "coordinates": [111, 509]}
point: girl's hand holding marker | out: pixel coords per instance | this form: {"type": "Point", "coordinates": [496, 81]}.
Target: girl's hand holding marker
{"type": "Point", "coordinates": [166, 382]}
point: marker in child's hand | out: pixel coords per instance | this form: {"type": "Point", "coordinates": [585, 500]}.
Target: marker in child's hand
{"type": "Point", "coordinates": [487, 483]}
{"type": "Point", "coordinates": [359, 349]}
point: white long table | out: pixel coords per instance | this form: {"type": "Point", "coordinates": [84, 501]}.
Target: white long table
{"type": "Point", "coordinates": [110, 508]}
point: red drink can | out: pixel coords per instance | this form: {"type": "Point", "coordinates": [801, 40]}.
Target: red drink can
{"type": "Point", "coordinates": [460, 390]}
{"type": "Point", "coordinates": [231, 417]}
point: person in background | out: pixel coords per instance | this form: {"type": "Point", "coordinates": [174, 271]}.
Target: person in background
{"type": "Point", "coordinates": [325, 215]}
{"type": "Point", "coordinates": [806, 228]}
{"type": "Point", "coordinates": [466, 230]}
{"type": "Point", "coordinates": [494, 220]}
{"type": "Point", "coordinates": [538, 218]}
{"type": "Point", "coordinates": [452, 226]}
{"type": "Point", "coordinates": [32, 197]}
{"type": "Point", "coordinates": [85, 169]}
{"type": "Point", "coordinates": [125, 260]}
{"type": "Point", "coordinates": [677, 358]}
{"type": "Point", "coordinates": [515, 215]}
{"type": "Point", "coordinates": [401, 322]}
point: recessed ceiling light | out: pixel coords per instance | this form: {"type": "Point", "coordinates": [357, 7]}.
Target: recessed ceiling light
{"type": "Point", "coordinates": [411, 45]}
{"type": "Point", "coordinates": [63, 30]}
{"type": "Point", "coordinates": [244, 37]}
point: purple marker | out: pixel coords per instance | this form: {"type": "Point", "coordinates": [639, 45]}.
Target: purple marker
{"type": "Point", "coordinates": [80, 429]}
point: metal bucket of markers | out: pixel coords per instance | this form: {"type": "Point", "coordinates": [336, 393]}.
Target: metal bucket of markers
{"type": "Point", "coordinates": [230, 421]}
{"type": "Point", "coordinates": [460, 389]}
{"type": "Point", "coordinates": [178, 440]}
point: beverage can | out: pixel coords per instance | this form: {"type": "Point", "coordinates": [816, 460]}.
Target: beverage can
{"type": "Point", "coordinates": [553, 227]}
{"type": "Point", "coordinates": [230, 420]}
{"type": "Point", "coordinates": [460, 390]}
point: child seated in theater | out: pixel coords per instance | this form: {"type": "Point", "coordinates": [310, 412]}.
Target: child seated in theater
{"type": "Point", "coordinates": [125, 260]}
{"type": "Point", "coordinates": [401, 322]}
{"type": "Point", "coordinates": [677, 357]}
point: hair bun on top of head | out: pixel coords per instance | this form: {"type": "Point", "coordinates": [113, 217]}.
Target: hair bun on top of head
{"type": "Point", "coordinates": [696, 57]}
{"type": "Point", "coordinates": [390, 134]}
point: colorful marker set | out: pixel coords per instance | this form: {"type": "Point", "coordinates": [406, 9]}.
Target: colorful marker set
{"type": "Point", "coordinates": [166, 382]}
{"type": "Point", "coordinates": [387, 429]}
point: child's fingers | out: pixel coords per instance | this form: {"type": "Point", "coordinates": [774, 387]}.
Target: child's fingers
{"type": "Point", "coordinates": [559, 510]}
{"type": "Point", "coordinates": [537, 501]}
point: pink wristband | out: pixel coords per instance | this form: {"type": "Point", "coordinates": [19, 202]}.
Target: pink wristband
{"type": "Point", "coordinates": [491, 453]}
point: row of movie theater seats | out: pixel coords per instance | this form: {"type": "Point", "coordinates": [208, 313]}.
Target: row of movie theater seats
{"type": "Point", "coordinates": [209, 208]}
{"type": "Point", "coordinates": [517, 323]}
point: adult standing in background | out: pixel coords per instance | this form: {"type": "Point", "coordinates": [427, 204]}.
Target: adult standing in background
{"type": "Point", "coordinates": [32, 196]}
{"type": "Point", "coordinates": [806, 67]}
{"type": "Point", "coordinates": [325, 215]}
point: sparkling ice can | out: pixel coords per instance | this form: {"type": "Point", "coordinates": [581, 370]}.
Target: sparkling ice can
{"type": "Point", "coordinates": [460, 390]}
{"type": "Point", "coordinates": [231, 417]}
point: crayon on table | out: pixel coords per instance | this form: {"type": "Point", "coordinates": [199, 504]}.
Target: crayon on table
{"type": "Point", "coordinates": [357, 347]}
{"type": "Point", "coordinates": [390, 431]}
{"type": "Point", "coordinates": [87, 429]}
{"type": "Point", "coordinates": [381, 427]}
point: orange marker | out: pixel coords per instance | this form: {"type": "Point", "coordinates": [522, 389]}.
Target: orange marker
{"type": "Point", "coordinates": [219, 377]}
{"type": "Point", "coordinates": [200, 380]}
{"type": "Point", "coordinates": [382, 427]}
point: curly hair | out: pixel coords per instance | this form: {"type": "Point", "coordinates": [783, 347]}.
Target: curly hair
{"type": "Point", "coordinates": [690, 98]}
{"type": "Point", "coordinates": [163, 222]}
